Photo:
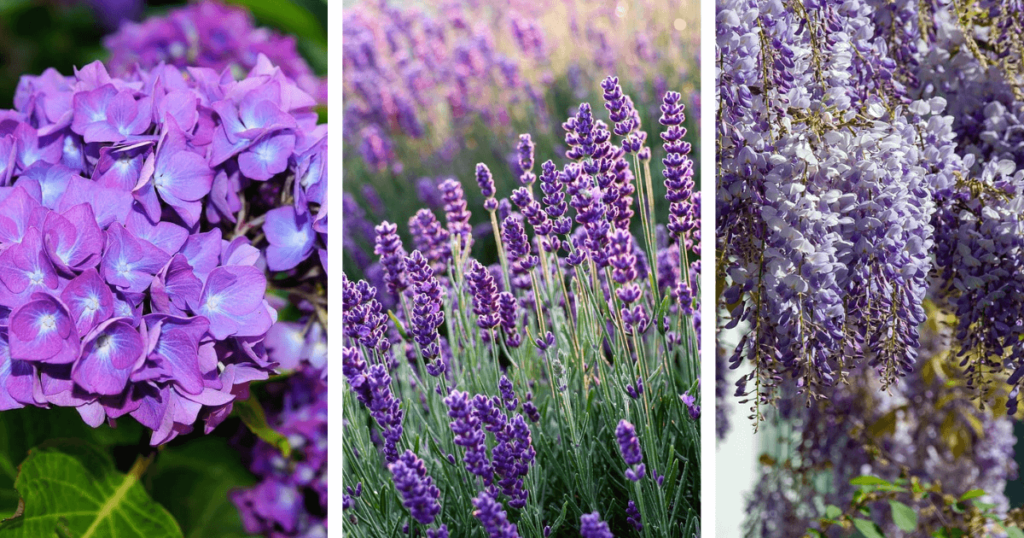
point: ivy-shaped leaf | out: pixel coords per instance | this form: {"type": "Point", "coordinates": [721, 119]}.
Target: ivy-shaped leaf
{"type": "Point", "coordinates": [71, 488]}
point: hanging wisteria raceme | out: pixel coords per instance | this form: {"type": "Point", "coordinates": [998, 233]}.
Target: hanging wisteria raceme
{"type": "Point", "coordinates": [924, 429]}
{"type": "Point", "coordinates": [869, 162]}
{"type": "Point", "coordinates": [212, 35]}
{"type": "Point", "coordinates": [291, 497]}
{"type": "Point", "coordinates": [828, 186]}
{"type": "Point", "coordinates": [131, 285]}
{"type": "Point", "coordinates": [503, 359]}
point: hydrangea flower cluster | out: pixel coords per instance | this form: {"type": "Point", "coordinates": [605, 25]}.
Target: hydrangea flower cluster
{"type": "Point", "coordinates": [497, 356]}
{"type": "Point", "coordinates": [291, 497]}
{"type": "Point", "coordinates": [212, 35]}
{"type": "Point", "coordinates": [125, 288]}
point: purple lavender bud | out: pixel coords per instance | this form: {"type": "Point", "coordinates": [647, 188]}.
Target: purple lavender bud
{"type": "Point", "coordinates": [392, 256]}
{"type": "Point", "coordinates": [591, 526]}
{"type": "Point", "coordinates": [481, 286]}
{"type": "Point", "coordinates": [629, 445]}
{"type": "Point", "coordinates": [633, 516]}
{"type": "Point", "coordinates": [492, 516]}
{"type": "Point", "coordinates": [440, 532]}
{"type": "Point", "coordinates": [525, 151]}
{"type": "Point", "coordinates": [469, 435]}
{"type": "Point", "coordinates": [504, 209]}
{"type": "Point", "coordinates": [507, 310]}
{"type": "Point", "coordinates": [691, 405]}
{"type": "Point", "coordinates": [531, 411]}
{"type": "Point", "coordinates": [636, 473]}
{"type": "Point", "coordinates": [456, 214]}
{"type": "Point", "coordinates": [620, 108]}
{"type": "Point", "coordinates": [384, 408]}
{"type": "Point", "coordinates": [419, 494]}
{"type": "Point", "coordinates": [547, 531]}
{"type": "Point", "coordinates": [517, 243]}
{"type": "Point", "coordinates": [678, 170]}
{"type": "Point", "coordinates": [427, 310]}
{"type": "Point", "coordinates": [485, 180]}
{"type": "Point", "coordinates": [431, 239]}
{"type": "Point", "coordinates": [546, 342]}
{"type": "Point", "coordinates": [508, 396]}
{"type": "Point", "coordinates": [579, 134]}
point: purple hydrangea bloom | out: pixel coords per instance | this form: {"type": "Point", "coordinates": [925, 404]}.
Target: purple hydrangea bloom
{"type": "Point", "coordinates": [291, 497]}
{"type": "Point", "coordinates": [211, 35]}
{"type": "Point", "coordinates": [132, 287]}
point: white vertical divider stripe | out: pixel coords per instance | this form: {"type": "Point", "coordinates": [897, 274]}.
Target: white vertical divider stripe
{"type": "Point", "coordinates": [707, 260]}
{"type": "Point", "coordinates": [334, 198]}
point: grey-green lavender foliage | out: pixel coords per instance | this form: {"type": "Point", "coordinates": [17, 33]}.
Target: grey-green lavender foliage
{"type": "Point", "coordinates": [521, 398]}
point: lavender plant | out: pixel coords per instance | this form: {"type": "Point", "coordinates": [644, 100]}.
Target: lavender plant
{"type": "Point", "coordinates": [553, 393]}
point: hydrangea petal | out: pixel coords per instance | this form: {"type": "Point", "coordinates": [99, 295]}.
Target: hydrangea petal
{"type": "Point", "coordinates": [108, 355]}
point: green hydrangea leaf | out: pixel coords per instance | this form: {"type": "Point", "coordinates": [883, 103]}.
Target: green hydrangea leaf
{"type": "Point", "coordinates": [193, 482]}
{"type": "Point", "coordinates": [71, 488]}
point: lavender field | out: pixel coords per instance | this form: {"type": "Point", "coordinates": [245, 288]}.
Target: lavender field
{"type": "Point", "coordinates": [521, 269]}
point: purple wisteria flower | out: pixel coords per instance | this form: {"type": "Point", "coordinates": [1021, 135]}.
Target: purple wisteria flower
{"type": "Point", "coordinates": [211, 35]}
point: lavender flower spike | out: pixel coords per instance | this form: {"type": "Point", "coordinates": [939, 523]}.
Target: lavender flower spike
{"type": "Point", "coordinates": [629, 445]}
{"type": "Point", "coordinates": [591, 526]}
{"type": "Point", "coordinates": [493, 518]}
{"type": "Point", "coordinates": [419, 494]}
